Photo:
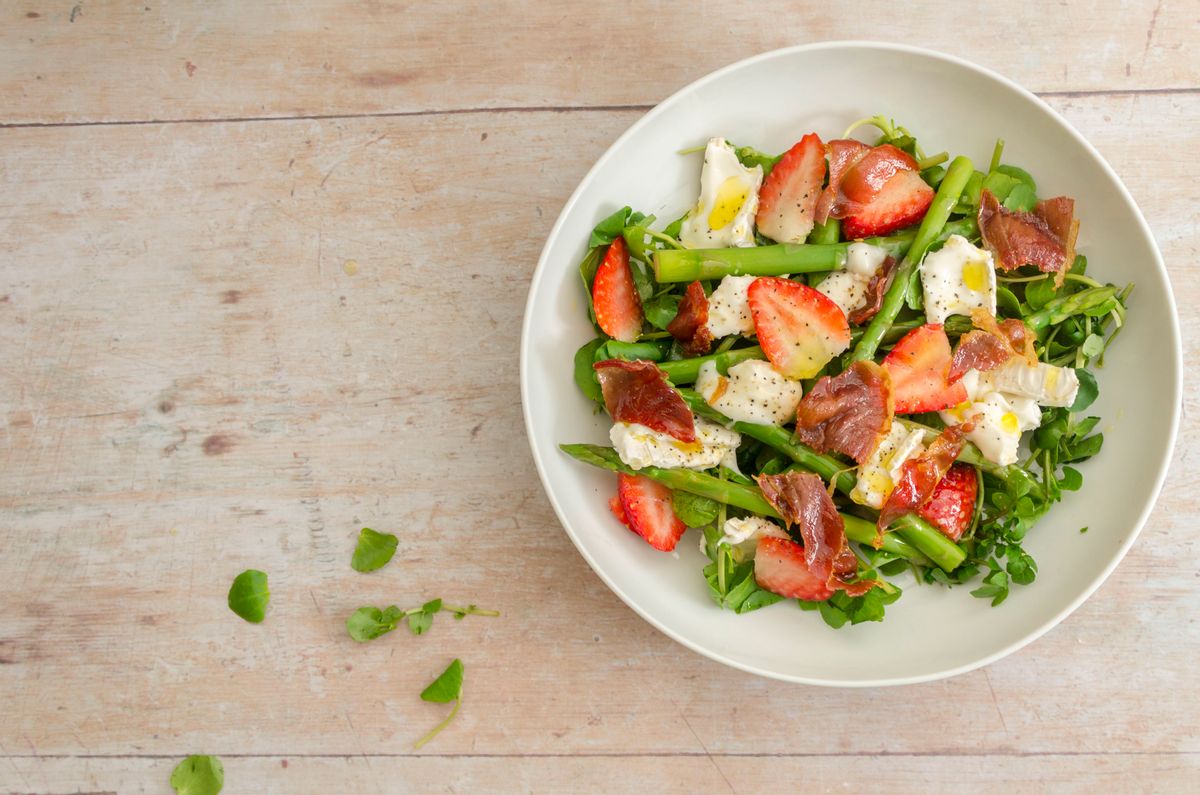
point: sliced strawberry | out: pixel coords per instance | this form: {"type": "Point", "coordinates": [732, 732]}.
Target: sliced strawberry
{"type": "Point", "coordinates": [614, 505]}
{"type": "Point", "coordinates": [901, 202]}
{"type": "Point", "coordinates": [780, 567]}
{"type": "Point", "coordinates": [614, 296]}
{"type": "Point", "coordinates": [787, 201]}
{"type": "Point", "coordinates": [920, 369]}
{"type": "Point", "coordinates": [799, 329]}
{"type": "Point", "coordinates": [647, 507]}
{"type": "Point", "coordinates": [952, 504]}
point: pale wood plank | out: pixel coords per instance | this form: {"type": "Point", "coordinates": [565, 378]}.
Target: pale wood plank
{"type": "Point", "coordinates": [1161, 774]}
{"type": "Point", "coordinates": [69, 61]}
{"type": "Point", "coordinates": [315, 397]}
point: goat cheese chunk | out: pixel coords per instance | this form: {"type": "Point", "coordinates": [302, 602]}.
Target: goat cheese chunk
{"type": "Point", "coordinates": [640, 447]}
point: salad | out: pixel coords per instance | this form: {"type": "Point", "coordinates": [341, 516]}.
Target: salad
{"type": "Point", "coordinates": [846, 363]}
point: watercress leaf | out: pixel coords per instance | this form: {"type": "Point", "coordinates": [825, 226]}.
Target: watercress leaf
{"type": "Point", "coordinates": [759, 598]}
{"type": "Point", "coordinates": [675, 227]}
{"type": "Point", "coordinates": [1020, 566]}
{"type": "Point", "coordinates": [868, 607]}
{"type": "Point", "coordinates": [249, 595]}
{"type": "Point", "coordinates": [694, 510]}
{"type": "Point", "coordinates": [1000, 184]}
{"type": "Point", "coordinates": [419, 623]}
{"type": "Point", "coordinates": [1006, 301]}
{"type": "Point", "coordinates": [750, 157]}
{"type": "Point", "coordinates": [447, 687]}
{"type": "Point", "coordinates": [1018, 173]}
{"type": "Point", "coordinates": [1084, 426]}
{"type": "Point", "coordinates": [1088, 390]}
{"type": "Point", "coordinates": [1039, 293]}
{"type": "Point", "coordinates": [808, 607]}
{"type": "Point", "coordinates": [893, 568]}
{"type": "Point", "coordinates": [615, 349]}
{"type": "Point", "coordinates": [587, 272]}
{"type": "Point", "coordinates": [373, 550]}
{"type": "Point", "coordinates": [1071, 480]}
{"type": "Point", "coordinates": [1084, 449]}
{"type": "Point", "coordinates": [368, 623]}
{"type": "Point", "coordinates": [1093, 346]}
{"type": "Point", "coordinates": [833, 616]}
{"type": "Point", "coordinates": [198, 775]}
{"type": "Point", "coordinates": [661, 310]}
{"type": "Point", "coordinates": [585, 375]}
{"type": "Point", "coordinates": [431, 607]}
{"type": "Point", "coordinates": [609, 229]}
{"type": "Point", "coordinates": [1079, 266]}
{"type": "Point", "coordinates": [1022, 198]}
{"type": "Point", "coordinates": [643, 282]}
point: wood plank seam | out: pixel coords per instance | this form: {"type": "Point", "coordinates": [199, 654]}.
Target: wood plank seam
{"type": "Point", "coordinates": [1174, 91]}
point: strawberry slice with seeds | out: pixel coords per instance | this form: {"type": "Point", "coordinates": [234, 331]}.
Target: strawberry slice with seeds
{"type": "Point", "coordinates": [780, 567]}
{"type": "Point", "coordinates": [787, 201]}
{"type": "Point", "coordinates": [799, 328]}
{"type": "Point", "coordinates": [646, 505]}
{"type": "Point", "coordinates": [952, 504]}
{"type": "Point", "coordinates": [920, 369]}
{"type": "Point", "coordinates": [901, 201]}
{"type": "Point", "coordinates": [614, 296]}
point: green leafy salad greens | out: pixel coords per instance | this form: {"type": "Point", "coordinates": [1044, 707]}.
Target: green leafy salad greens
{"type": "Point", "coordinates": [1072, 317]}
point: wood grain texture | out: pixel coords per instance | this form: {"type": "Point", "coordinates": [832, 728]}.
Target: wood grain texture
{"type": "Point", "coordinates": [81, 61]}
{"type": "Point", "coordinates": [225, 346]}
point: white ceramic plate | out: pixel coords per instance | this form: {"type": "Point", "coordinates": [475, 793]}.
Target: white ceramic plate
{"type": "Point", "coordinates": [768, 102]}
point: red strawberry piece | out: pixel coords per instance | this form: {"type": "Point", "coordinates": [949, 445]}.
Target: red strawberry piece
{"type": "Point", "coordinates": [780, 567]}
{"type": "Point", "coordinates": [799, 328]}
{"type": "Point", "coordinates": [614, 505]}
{"type": "Point", "coordinates": [647, 507]}
{"type": "Point", "coordinates": [901, 202]}
{"type": "Point", "coordinates": [614, 296]}
{"type": "Point", "coordinates": [787, 201]}
{"type": "Point", "coordinates": [952, 504]}
{"type": "Point", "coordinates": [920, 369]}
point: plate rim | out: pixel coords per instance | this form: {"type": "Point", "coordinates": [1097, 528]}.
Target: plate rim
{"type": "Point", "coordinates": [1164, 464]}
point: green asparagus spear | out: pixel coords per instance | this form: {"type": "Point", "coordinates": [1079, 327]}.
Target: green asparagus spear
{"type": "Point", "coordinates": [1093, 301]}
{"type": "Point", "coordinates": [931, 228]}
{"type": "Point", "coordinates": [828, 232]}
{"type": "Point", "coordinates": [685, 371]}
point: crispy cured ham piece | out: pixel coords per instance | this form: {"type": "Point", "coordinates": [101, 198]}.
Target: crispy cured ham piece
{"type": "Point", "coordinates": [638, 392]}
{"type": "Point", "coordinates": [843, 154]}
{"type": "Point", "coordinates": [804, 503]}
{"type": "Point", "coordinates": [1044, 238]}
{"type": "Point", "coordinates": [848, 413]}
{"type": "Point", "coordinates": [876, 289]}
{"type": "Point", "coordinates": [920, 476]}
{"type": "Point", "coordinates": [991, 344]}
{"type": "Point", "coordinates": [690, 323]}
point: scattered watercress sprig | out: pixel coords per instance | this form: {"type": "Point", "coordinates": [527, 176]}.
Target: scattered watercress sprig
{"type": "Point", "coordinates": [446, 688]}
{"type": "Point", "coordinates": [368, 623]}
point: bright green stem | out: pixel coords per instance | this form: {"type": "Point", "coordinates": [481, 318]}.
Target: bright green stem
{"type": "Point", "coordinates": [688, 265]}
{"type": "Point", "coordinates": [1059, 309]}
{"type": "Point", "coordinates": [436, 730]}
{"type": "Point", "coordinates": [685, 371]}
{"type": "Point", "coordinates": [911, 528]}
{"type": "Point", "coordinates": [828, 232]}
{"type": "Point", "coordinates": [931, 228]}
{"type": "Point", "coordinates": [746, 497]}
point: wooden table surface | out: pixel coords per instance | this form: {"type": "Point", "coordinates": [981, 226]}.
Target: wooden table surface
{"type": "Point", "coordinates": [263, 271]}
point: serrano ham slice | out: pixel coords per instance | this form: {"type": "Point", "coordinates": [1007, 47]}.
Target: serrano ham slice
{"type": "Point", "coordinates": [804, 503]}
{"type": "Point", "coordinates": [1044, 238]}
{"type": "Point", "coordinates": [843, 154]}
{"type": "Point", "coordinates": [690, 323]}
{"type": "Point", "coordinates": [848, 413]}
{"type": "Point", "coordinates": [919, 476]}
{"type": "Point", "coordinates": [638, 392]}
{"type": "Point", "coordinates": [991, 344]}
{"type": "Point", "coordinates": [876, 289]}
